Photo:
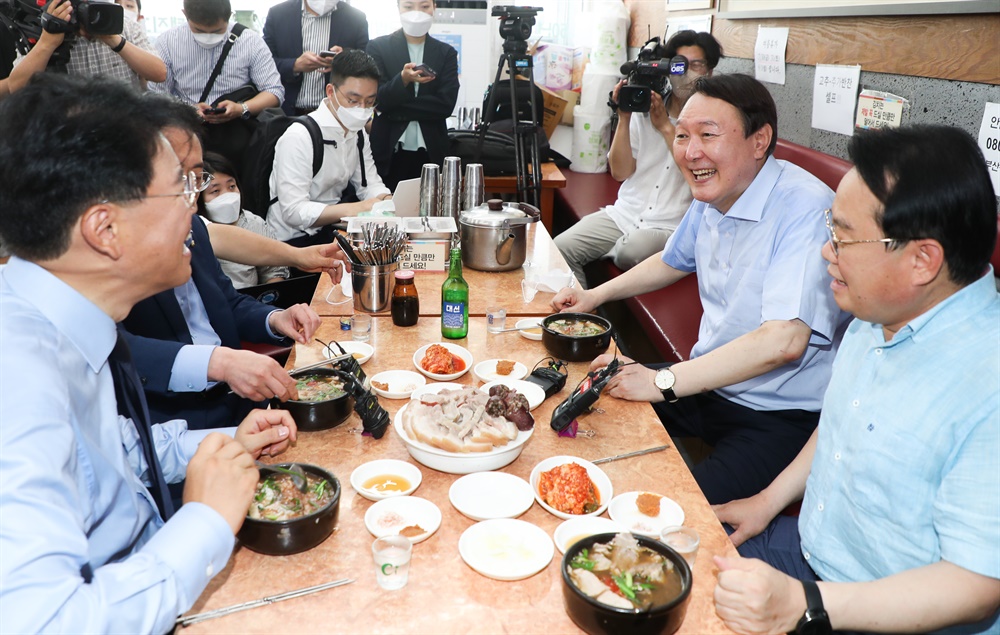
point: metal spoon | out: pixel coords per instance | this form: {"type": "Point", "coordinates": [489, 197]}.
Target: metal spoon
{"type": "Point", "coordinates": [296, 472]}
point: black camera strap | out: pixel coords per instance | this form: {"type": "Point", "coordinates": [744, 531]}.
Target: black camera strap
{"type": "Point", "coordinates": [234, 34]}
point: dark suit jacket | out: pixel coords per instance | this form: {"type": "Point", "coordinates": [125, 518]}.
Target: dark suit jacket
{"type": "Point", "coordinates": [283, 35]}
{"type": "Point", "coordinates": [157, 331]}
{"type": "Point", "coordinates": [397, 104]}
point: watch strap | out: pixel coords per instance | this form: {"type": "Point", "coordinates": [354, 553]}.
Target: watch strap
{"type": "Point", "coordinates": [814, 599]}
{"type": "Point", "coordinates": [815, 620]}
{"type": "Point", "coordinates": [121, 45]}
{"type": "Point", "coordinates": [670, 395]}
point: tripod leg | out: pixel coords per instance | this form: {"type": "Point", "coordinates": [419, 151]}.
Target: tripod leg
{"type": "Point", "coordinates": [491, 106]}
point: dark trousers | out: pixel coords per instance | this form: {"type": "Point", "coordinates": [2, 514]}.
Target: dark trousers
{"type": "Point", "coordinates": [229, 139]}
{"type": "Point", "coordinates": [405, 165]}
{"type": "Point", "coordinates": [323, 237]}
{"type": "Point", "coordinates": [779, 545]}
{"type": "Point", "coordinates": [750, 447]}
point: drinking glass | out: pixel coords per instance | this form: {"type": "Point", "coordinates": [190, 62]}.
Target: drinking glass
{"type": "Point", "coordinates": [392, 561]}
{"type": "Point", "coordinates": [496, 318]}
{"type": "Point", "coordinates": [683, 540]}
{"type": "Point", "coordinates": [361, 327]}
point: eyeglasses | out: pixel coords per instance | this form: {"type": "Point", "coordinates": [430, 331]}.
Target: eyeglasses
{"type": "Point", "coordinates": [194, 184]}
{"type": "Point", "coordinates": [351, 102]}
{"type": "Point", "coordinates": [836, 243]}
{"type": "Point", "coordinates": [698, 65]}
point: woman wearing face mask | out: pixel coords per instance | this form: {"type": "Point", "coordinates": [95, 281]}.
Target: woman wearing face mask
{"type": "Point", "coordinates": [413, 105]}
{"type": "Point", "coordinates": [220, 203]}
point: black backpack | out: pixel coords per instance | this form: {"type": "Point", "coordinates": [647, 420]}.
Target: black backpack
{"type": "Point", "coordinates": [259, 158]}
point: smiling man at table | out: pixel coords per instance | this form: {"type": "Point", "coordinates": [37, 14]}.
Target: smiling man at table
{"type": "Point", "coordinates": [753, 384]}
{"type": "Point", "coordinates": [902, 477]}
{"type": "Point", "coordinates": [96, 210]}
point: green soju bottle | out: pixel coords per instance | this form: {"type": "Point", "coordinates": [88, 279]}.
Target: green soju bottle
{"type": "Point", "coordinates": [455, 300]}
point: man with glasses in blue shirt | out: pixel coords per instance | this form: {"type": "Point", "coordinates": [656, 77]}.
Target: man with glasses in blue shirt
{"type": "Point", "coordinates": [304, 204]}
{"type": "Point", "coordinates": [900, 485]}
{"type": "Point", "coordinates": [97, 211]}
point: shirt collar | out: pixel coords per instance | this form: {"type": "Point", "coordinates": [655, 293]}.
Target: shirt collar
{"type": "Point", "coordinates": [90, 329]}
{"type": "Point", "coordinates": [943, 316]}
{"type": "Point", "coordinates": [750, 204]}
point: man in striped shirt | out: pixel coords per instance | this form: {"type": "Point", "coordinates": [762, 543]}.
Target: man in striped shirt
{"type": "Point", "coordinates": [191, 52]}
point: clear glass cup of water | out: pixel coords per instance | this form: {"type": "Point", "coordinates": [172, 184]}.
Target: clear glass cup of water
{"type": "Point", "coordinates": [496, 319]}
{"type": "Point", "coordinates": [683, 540]}
{"type": "Point", "coordinates": [361, 327]}
{"type": "Point", "coordinates": [392, 561]}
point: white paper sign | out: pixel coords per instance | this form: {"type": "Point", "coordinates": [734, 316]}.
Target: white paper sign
{"type": "Point", "coordinates": [769, 54]}
{"type": "Point", "coordinates": [879, 110]}
{"type": "Point", "coordinates": [989, 142]}
{"type": "Point", "coordinates": [698, 24]}
{"type": "Point", "coordinates": [835, 93]}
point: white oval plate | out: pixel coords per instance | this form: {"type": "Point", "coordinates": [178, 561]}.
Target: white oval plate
{"type": "Point", "coordinates": [597, 475]}
{"type": "Point", "coordinates": [488, 495]}
{"type": "Point", "coordinates": [401, 383]}
{"type": "Point", "coordinates": [569, 531]}
{"type": "Point", "coordinates": [532, 392]}
{"type": "Point", "coordinates": [455, 350]}
{"type": "Point", "coordinates": [394, 467]}
{"type": "Point", "coordinates": [487, 371]}
{"type": "Point", "coordinates": [527, 322]}
{"type": "Point", "coordinates": [387, 517]}
{"type": "Point", "coordinates": [433, 389]}
{"type": "Point", "coordinates": [506, 549]}
{"type": "Point", "coordinates": [354, 348]}
{"type": "Point", "coordinates": [624, 511]}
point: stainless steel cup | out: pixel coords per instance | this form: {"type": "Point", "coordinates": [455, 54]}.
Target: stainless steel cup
{"type": "Point", "coordinates": [429, 195]}
{"type": "Point", "coordinates": [473, 192]}
{"type": "Point", "coordinates": [451, 184]}
{"type": "Point", "coordinates": [373, 286]}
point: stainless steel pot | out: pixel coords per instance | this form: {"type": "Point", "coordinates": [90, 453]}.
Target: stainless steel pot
{"type": "Point", "coordinates": [494, 235]}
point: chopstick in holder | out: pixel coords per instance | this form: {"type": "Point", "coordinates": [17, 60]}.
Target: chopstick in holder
{"type": "Point", "coordinates": [252, 604]}
{"type": "Point", "coordinates": [629, 455]}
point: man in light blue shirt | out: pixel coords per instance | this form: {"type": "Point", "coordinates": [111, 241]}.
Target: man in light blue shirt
{"type": "Point", "coordinates": [900, 518]}
{"type": "Point", "coordinates": [96, 211]}
{"type": "Point", "coordinates": [752, 385]}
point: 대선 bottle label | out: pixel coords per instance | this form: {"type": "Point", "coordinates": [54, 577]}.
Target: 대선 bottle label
{"type": "Point", "coordinates": [453, 315]}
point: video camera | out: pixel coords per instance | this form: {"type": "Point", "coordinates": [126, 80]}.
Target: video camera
{"type": "Point", "coordinates": [515, 26]}
{"type": "Point", "coordinates": [25, 19]}
{"type": "Point", "coordinates": [649, 73]}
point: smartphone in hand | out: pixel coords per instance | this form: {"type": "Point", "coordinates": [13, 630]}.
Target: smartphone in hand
{"type": "Point", "coordinates": [327, 54]}
{"type": "Point", "coordinates": [425, 70]}
{"type": "Point", "coordinates": [215, 110]}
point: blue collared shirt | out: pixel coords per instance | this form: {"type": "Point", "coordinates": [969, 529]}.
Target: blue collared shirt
{"type": "Point", "coordinates": [907, 464]}
{"type": "Point", "coordinates": [761, 261]}
{"type": "Point", "coordinates": [71, 487]}
{"type": "Point", "coordinates": [189, 66]}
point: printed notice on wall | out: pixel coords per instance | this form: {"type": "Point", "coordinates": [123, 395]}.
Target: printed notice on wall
{"type": "Point", "coordinates": [989, 143]}
{"type": "Point", "coordinates": [879, 110]}
{"type": "Point", "coordinates": [835, 93]}
{"type": "Point", "coordinates": [769, 54]}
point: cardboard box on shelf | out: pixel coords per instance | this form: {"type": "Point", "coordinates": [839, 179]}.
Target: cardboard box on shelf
{"type": "Point", "coordinates": [571, 97]}
{"type": "Point", "coordinates": [554, 107]}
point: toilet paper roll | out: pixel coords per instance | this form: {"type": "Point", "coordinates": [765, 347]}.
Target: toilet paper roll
{"type": "Point", "coordinates": [591, 141]}
{"type": "Point", "coordinates": [598, 81]}
{"type": "Point", "coordinates": [611, 42]}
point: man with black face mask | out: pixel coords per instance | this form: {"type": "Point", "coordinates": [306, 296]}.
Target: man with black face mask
{"type": "Point", "coordinates": [305, 205]}
{"type": "Point", "coordinates": [653, 196]}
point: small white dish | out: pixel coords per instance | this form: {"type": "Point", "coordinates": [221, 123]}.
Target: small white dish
{"type": "Point", "coordinates": [532, 392]}
{"type": "Point", "coordinates": [385, 467]}
{"type": "Point", "coordinates": [506, 549]}
{"type": "Point", "coordinates": [433, 389]}
{"type": "Point", "coordinates": [359, 350]}
{"type": "Point", "coordinates": [487, 371]}
{"type": "Point", "coordinates": [574, 529]}
{"type": "Point", "coordinates": [528, 323]}
{"type": "Point", "coordinates": [455, 349]}
{"type": "Point", "coordinates": [488, 495]}
{"type": "Point", "coordinates": [390, 516]}
{"type": "Point", "coordinates": [601, 481]}
{"type": "Point", "coordinates": [401, 383]}
{"type": "Point", "coordinates": [624, 511]}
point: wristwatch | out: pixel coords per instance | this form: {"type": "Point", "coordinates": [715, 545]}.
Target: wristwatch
{"type": "Point", "coordinates": [121, 44]}
{"type": "Point", "coordinates": [665, 380]}
{"type": "Point", "coordinates": [246, 111]}
{"type": "Point", "coordinates": [815, 621]}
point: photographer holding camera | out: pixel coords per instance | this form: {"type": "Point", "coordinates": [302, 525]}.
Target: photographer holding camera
{"type": "Point", "coordinates": [653, 196]}
{"type": "Point", "coordinates": [126, 55]}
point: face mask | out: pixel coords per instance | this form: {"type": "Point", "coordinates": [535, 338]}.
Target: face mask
{"type": "Point", "coordinates": [354, 119]}
{"type": "Point", "coordinates": [683, 85]}
{"type": "Point", "coordinates": [224, 209]}
{"type": "Point", "coordinates": [416, 23]}
{"type": "Point", "coordinates": [322, 7]}
{"type": "Point", "coordinates": [131, 15]}
{"type": "Point", "coordinates": [209, 40]}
